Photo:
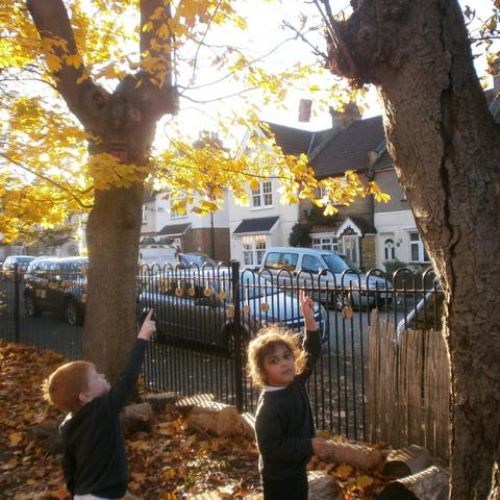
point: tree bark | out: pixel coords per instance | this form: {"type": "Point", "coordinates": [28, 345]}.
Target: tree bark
{"type": "Point", "coordinates": [446, 149]}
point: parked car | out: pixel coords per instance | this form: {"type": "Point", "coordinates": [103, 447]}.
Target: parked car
{"type": "Point", "coordinates": [197, 307]}
{"type": "Point", "coordinates": [58, 285]}
{"type": "Point", "coordinates": [198, 259]}
{"type": "Point", "coordinates": [336, 280]}
{"type": "Point", "coordinates": [9, 265]}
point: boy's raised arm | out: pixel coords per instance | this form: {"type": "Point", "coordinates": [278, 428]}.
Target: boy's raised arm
{"type": "Point", "coordinates": [117, 396]}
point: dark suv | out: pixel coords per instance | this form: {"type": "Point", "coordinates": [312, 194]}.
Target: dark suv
{"type": "Point", "coordinates": [58, 285]}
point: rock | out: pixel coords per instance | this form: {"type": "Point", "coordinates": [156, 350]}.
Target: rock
{"type": "Point", "coordinates": [159, 401]}
{"type": "Point", "coordinates": [322, 486]}
{"type": "Point", "coordinates": [139, 417]}
{"type": "Point", "coordinates": [218, 419]}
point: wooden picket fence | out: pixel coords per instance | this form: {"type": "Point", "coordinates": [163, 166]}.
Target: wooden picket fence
{"type": "Point", "coordinates": [408, 388]}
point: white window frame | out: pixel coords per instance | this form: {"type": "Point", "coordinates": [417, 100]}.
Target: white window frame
{"type": "Point", "coordinates": [262, 197]}
{"type": "Point", "coordinates": [389, 248]}
{"type": "Point", "coordinates": [423, 258]}
{"type": "Point", "coordinates": [253, 248]}
{"type": "Point", "coordinates": [329, 242]}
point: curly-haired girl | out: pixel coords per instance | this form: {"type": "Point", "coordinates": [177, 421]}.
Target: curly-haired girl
{"type": "Point", "coordinates": [284, 424]}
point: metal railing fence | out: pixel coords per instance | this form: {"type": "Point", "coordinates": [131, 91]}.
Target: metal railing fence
{"type": "Point", "coordinates": [206, 316]}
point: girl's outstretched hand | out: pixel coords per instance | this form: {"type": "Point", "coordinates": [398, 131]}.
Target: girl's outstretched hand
{"type": "Point", "coordinates": [307, 307]}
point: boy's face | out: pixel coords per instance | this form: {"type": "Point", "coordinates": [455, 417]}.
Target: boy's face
{"type": "Point", "coordinates": [279, 366]}
{"type": "Point", "coordinates": [97, 386]}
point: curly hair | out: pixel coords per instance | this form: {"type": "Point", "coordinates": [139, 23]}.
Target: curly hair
{"type": "Point", "coordinates": [265, 342]}
{"type": "Point", "coordinates": [63, 387]}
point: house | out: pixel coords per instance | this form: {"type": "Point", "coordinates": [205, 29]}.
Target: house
{"type": "Point", "coordinates": [351, 143]}
{"type": "Point", "coordinates": [189, 232]}
{"type": "Point", "coordinates": [266, 222]}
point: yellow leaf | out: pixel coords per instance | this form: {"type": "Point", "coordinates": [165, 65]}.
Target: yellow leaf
{"type": "Point", "coordinates": [169, 474]}
{"type": "Point", "coordinates": [343, 471]}
{"type": "Point", "coordinates": [53, 62]}
{"type": "Point", "coordinates": [364, 481]}
{"type": "Point", "coordinates": [74, 60]}
{"type": "Point", "coordinates": [254, 184]}
{"type": "Point", "coordinates": [15, 438]}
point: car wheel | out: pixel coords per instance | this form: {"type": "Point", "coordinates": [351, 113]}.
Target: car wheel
{"type": "Point", "coordinates": [32, 310]}
{"type": "Point", "coordinates": [72, 313]}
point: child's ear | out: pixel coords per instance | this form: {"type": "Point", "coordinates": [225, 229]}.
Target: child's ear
{"type": "Point", "coordinates": [83, 398]}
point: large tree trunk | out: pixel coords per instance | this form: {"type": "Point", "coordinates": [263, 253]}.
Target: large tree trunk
{"type": "Point", "coordinates": [113, 232]}
{"type": "Point", "coordinates": [446, 149]}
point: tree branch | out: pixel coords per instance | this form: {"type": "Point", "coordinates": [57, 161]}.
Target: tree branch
{"type": "Point", "coordinates": [49, 181]}
{"type": "Point", "coordinates": [84, 98]}
{"type": "Point", "coordinates": [155, 45]}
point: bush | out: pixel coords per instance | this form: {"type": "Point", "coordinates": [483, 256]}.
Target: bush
{"type": "Point", "coordinates": [299, 236]}
{"type": "Point", "coordinates": [393, 265]}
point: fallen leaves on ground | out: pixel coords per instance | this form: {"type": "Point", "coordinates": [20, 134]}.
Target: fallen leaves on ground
{"type": "Point", "coordinates": [173, 463]}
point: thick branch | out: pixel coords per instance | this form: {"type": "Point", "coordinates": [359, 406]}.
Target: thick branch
{"type": "Point", "coordinates": [156, 45]}
{"type": "Point", "coordinates": [84, 99]}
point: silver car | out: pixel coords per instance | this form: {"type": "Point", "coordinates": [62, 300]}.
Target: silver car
{"type": "Point", "coordinates": [198, 306]}
{"type": "Point", "coordinates": [335, 280]}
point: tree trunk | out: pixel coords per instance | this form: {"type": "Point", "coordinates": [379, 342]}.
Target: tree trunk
{"type": "Point", "coordinates": [446, 148]}
{"type": "Point", "coordinates": [113, 232]}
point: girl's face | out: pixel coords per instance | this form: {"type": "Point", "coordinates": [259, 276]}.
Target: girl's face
{"type": "Point", "coordinates": [279, 366]}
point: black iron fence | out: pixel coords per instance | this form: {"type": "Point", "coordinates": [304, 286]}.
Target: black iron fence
{"type": "Point", "coordinates": [206, 316]}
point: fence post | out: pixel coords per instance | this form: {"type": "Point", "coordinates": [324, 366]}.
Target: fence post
{"type": "Point", "coordinates": [16, 303]}
{"type": "Point", "coordinates": [237, 332]}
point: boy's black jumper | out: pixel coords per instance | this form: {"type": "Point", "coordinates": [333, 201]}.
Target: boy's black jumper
{"type": "Point", "coordinates": [94, 459]}
{"type": "Point", "coordinates": [284, 423]}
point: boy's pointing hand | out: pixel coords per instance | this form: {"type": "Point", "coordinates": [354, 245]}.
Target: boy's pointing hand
{"type": "Point", "coordinates": [148, 327]}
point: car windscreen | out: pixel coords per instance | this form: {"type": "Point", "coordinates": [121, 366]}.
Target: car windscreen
{"type": "Point", "coordinates": [337, 264]}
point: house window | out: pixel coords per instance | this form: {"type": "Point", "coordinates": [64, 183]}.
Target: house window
{"type": "Point", "coordinates": [263, 195]}
{"type": "Point", "coordinates": [144, 214]}
{"type": "Point", "coordinates": [176, 213]}
{"type": "Point", "coordinates": [417, 250]}
{"type": "Point", "coordinates": [254, 248]}
{"type": "Point", "coordinates": [389, 250]}
{"type": "Point", "coordinates": [329, 243]}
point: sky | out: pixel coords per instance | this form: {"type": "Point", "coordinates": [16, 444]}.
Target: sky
{"type": "Point", "coordinates": [264, 33]}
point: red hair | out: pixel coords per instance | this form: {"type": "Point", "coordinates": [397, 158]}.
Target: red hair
{"type": "Point", "coordinates": [64, 385]}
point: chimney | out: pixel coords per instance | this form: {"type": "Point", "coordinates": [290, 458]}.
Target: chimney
{"type": "Point", "coordinates": [345, 116]}
{"type": "Point", "coordinates": [305, 107]}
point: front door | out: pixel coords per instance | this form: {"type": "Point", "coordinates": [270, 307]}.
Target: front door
{"type": "Point", "coordinates": [351, 248]}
